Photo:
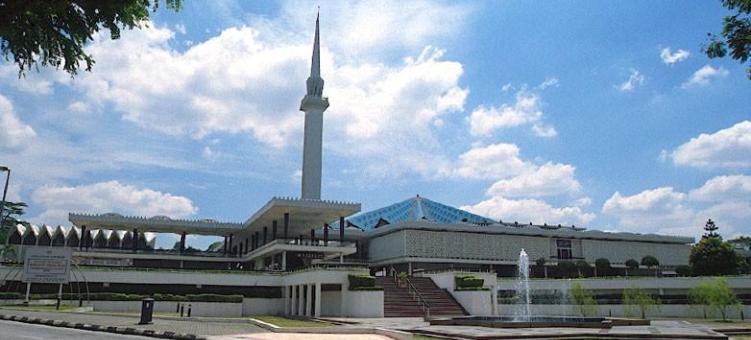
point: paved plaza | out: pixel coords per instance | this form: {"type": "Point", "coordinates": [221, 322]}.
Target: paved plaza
{"type": "Point", "coordinates": [200, 328]}
{"type": "Point", "coordinates": [239, 329]}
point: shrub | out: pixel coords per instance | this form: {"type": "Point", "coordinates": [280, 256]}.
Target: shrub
{"type": "Point", "coordinates": [634, 296]}
{"type": "Point", "coordinates": [584, 299]}
{"type": "Point", "coordinates": [683, 270]}
{"type": "Point", "coordinates": [603, 266]}
{"type": "Point", "coordinates": [361, 282]}
{"type": "Point", "coordinates": [566, 268]}
{"type": "Point", "coordinates": [10, 296]}
{"type": "Point", "coordinates": [214, 298]}
{"type": "Point", "coordinates": [716, 295]}
{"type": "Point", "coordinates": [468, 282]}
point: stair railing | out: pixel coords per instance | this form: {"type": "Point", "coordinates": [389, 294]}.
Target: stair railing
{"type": "Point", "coordinates": [420, 299]}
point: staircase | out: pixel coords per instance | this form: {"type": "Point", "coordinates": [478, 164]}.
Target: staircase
{"type": "Point", "coordinates": [398, 301]}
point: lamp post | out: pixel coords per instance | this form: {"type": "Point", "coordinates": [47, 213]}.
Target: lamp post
{"type": "Point", "coordinates": [5, 192]}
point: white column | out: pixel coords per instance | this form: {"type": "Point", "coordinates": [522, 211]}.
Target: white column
{"type": "Point", "coordinates": [308, 300]}
{"type": "Point", "coordinates": [318, 300]}
{"type": "Point", "coordinates": [293, 303]}
{"type": "Point", "coordinates": [285, 294]}
{"type": "Point", "coordinates": [301, 300]}
{"type": "Point", "coordinates": [284, 261]}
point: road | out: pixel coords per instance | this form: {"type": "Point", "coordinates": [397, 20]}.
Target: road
{"type": "Point", "coordinates": [10, 330]}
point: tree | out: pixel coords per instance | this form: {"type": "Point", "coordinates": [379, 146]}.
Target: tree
{"type": "Point", "coordinates": [651, 262]}
{"type": "Point", "coordinates": [713, 256]}
{"type": "Point", "coordinates": [583, 299]}
{"type": "Point", "coordinates": [715, 294]}
{"type": "Point", "coordinates": [11, 217]}
{"type": "Point", "coordinates": [12, 212]}
{"type": "Point", "coordinates": [566, 268]}
{"type": "Point", "coordinates": [541, 263]}
{"type": "Point", "coordinates": [683, 270]}
{"type": "Point", "coordinates": [735, 36]}
{"type": "Point", "coordinates": [54, 33]}
{"type": "Point", "coordinates": [631, 264]}
{"type": "Point", "coordinates": [711, 229]}
{"type": "Point", "coordinates": [582, 267]}
{"type": "Point", "coordinates": [602, 267]}
{"type": "Point", "coordinates": [634, 296]}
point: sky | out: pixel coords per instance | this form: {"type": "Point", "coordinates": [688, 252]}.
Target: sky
{"type": "Point", "coordinates": [605, 115]}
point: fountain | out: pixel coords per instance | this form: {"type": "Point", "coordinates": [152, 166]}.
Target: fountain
{"type": "Point", "coordinates": [522, 288]}
{"type": "Point", "coordinates": [522, 315]}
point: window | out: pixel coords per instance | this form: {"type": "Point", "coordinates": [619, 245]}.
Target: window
{"type": "Point", "coordinates": [564, 249]}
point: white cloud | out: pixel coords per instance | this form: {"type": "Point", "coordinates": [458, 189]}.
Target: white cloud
{"type": "Point", "coordinates": [549, 82]}
{"type": "Point", "coordinates": [634, 80]}
{"type": "Point", "coordinates": [729, 148]}
{"type": "Point", "coordinates": [112, 196]}
{"type": "Point", "coordinates": [491, 162]}
{"type": "Point", "coordinates": [704, 75]}
{"type": "Point", "coordinates": [723, 188]}
{"type": "Point", "coordinates": [725, 199]}
{"type": "Point", "coordinates": [547, 180]}
{"type": "Point", "coordinates": [526, 110]}
{"type": "Point", "coordinates": [671, 58]}
{"type": "Point", "coordinates": [650, 211]}
{"type": "Point", "coordinates": [529, 210]}
{"type": "Point", "coordinates": [14, 134]}
{"type": "Point", "coordinates": [78, 107]}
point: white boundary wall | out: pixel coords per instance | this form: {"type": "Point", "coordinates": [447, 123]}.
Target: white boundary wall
{"type": "Point", "coordinates": [362, 304]}
{"type": "Point", "coordinates": [262, 306]}
{"type": "Point", "coordinates": [677, 311]}
{"type": "Point", "coordinates": [215, 309]}
{"type": "Point", "coordinates": [478, 302]}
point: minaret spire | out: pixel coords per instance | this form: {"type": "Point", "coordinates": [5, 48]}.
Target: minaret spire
{"type": "Point", "coordinates": [315, 82]}
{"type": "Point", "coordinates": [315, 67]}
{"type": "Point", "coordinates": [313, 104]}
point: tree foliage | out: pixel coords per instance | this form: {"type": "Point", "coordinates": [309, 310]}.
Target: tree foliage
{"type": "Point", "coordinates": [713, 256]}
{"type": "Point", "coordinates": [54, 33]}
{"type": "Point", "coordinates": [583, 299]}
{"type": "Point", "coordinates": [12, 212]}
{"type": "Point", "coordinates": [566, 268]}
{"type": "Point", "coordinates": [603, 266]}
{"type": "Point", "coordinates": [716, 295]}
{"type": "Point", "coordinates": [710, 229]}
{"type": "Point", "coordinates": [735, 38]}
{"type": "Point", "coordinates": [634, 296]}
{"type": "Point", "coordinates": [632, 264]}
{"type": "Point", "coordinates": [650, 261]}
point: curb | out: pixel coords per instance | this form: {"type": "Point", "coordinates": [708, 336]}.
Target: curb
{"type": "Point", "coordinates": [100, 328]}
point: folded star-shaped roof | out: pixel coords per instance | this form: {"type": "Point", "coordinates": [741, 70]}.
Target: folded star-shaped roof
{"type": "Point", "coordinates": [414, 209]}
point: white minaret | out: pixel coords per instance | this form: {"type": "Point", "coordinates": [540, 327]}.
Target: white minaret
{"type": "Point", "coordinates": [313, 104]}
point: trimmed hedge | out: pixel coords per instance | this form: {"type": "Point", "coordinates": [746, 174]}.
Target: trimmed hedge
{"type": "Point", "coordinates": [362, 282]}
{"type": "Point", "coordinates": [130, 297]}
{"type": "Point", "coordinates": [467, 282]}
{"type": "Point", "coordinates": [10, 296]}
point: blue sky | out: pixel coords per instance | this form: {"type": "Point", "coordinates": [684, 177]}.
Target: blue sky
{"type": "Point", "coordinates": [600, 114]}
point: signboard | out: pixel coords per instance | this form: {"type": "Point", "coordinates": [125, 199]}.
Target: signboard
{"type": "Point", "coordinates": [46, 264]}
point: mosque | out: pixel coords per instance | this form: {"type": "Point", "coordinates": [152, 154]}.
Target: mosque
{"type": "Point", "coordinates": [289, 241]}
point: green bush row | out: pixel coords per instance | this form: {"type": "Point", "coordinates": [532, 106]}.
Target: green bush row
{"type": "Point", "coordinates": [465, 282]}
{"type": "Point", "coordinates": [367, 288]}
{"type": "Point", "coordinates": [129, 297]}
{"type": "Point", "coordinates": [471, 288]}
{"type": "Point", "coordinates": [361, 282]}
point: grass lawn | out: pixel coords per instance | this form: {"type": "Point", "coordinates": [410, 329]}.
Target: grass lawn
{"type": "Point", "coordinates": [284, 322]}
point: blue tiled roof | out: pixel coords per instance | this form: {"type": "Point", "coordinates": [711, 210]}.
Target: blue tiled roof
{"type": "Point", "coordinates": [415, 209]}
